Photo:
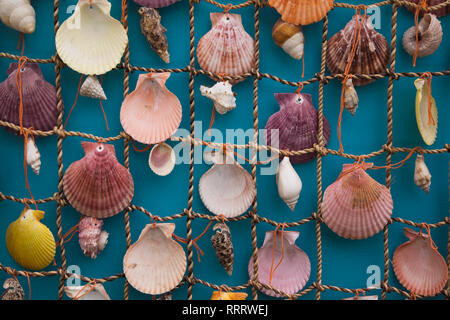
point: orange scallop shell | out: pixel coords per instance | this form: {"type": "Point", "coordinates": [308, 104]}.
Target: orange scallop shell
{"type": "Point", "coordinates": [302, 12]}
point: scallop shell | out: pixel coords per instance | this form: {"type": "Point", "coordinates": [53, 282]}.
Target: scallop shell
{"type": "Point", "coordinates": [33, 156]}
{"type": "Point", "coordinates": [155, 3]}
{"type": "Point", "coordinates": [38, 98]}
{"type": "Point", "coordinates": [87, 292]}
{"type": "Point", "coordinates": [156, 263]}
{"type": "Point", "coordinates": [362, 298]}
{"type": "Point", "coordinates": [422, 176]}
{"type": "Point", "coordinates": [223, 295]}
{"type": "Point", "coordinates": [418, 267]}
{"type": "Point", "coordinates": [152, 29]}
{"type": "Point", "coordinates": [438, 12]}
{"type": "Point", "coordinates": [223, 246]}
{"type": "Point", "coordinates": [14, 290]}
{"type": "Point", "coordinates": [227, 48]}
{"type": "Point", "coordinates": [30, 243]}
{"type": "Point", "coordinates": [372, 53]}
{"type": "Point", "coordinates": [91, 238]}
{"type": "Point", "coordinates": [302, 12]}
{"type": "Point", "coordinates": [91, 41]}
{"type": "Point", "coordinates": [356, 206]}
{"type": "Point", "coordinates": [151, 113]}
{"type": "Point", "coordinates": [428, 131]}
{"type": "Point", "coordinates": [92, 88]}
{"type": "Point", "coordinates": [295, 126]}
{"type": "Point", "coordinates": [351, 99]}
{"type": "Point", "coordinates": [18, 14]}
{"type": "Point", "coordinates": [429, 35]}
{"type": "Point", "coordinates": [289, 183]}
{"type": "Point", "coordinates": [293, 272]}
{"type": "Point", "coordinates": [222, 95]}
{"type": "Point", "coordinates": [289, 37]}
{"type": "Point", "coordinates": [98, 185]}
{"type": "Point", "coordinates": [162, 159]}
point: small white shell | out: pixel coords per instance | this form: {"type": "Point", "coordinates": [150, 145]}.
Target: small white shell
{"type": "Point", "coordinates": [18, 14]}
{"type": "Point", "coordinates": [222, 95]}
{"type": "Point", "coordinates": [162, 159]}
{"type": "Point", "coordinates": [422, 176]}
{"type": "Point", "coordinates": [87, 292]}
{"type": "Point", "coordinates": [289, 183]}
{"type": "Point", "coordinates": [33, 156]}
{"type": "Point", "coordinates": [92, 88]}
{"type": "Point", "coordinates": [350, 97]}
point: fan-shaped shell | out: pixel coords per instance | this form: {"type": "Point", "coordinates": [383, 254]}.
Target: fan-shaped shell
{"type": "Point", "coordinates": [356, 206]}
{"type": "Point", "coordinates": [156, 263]}
{"type": "Point", "coordinates": [362, 298]}
{"type": "Point", "coordinates": [162, 159]}
{"type": "Point", "coordinates": [223, 295]}
{"type": "Point", "coordinates": [151, 113]}
{"type": "Point", "coordinates": [438, 12]}
{"type": "Point", "coordinates": [293, 272]}
{"type": "Point", "coordinates": [88, 292]}
{"type": "Point", "coordinates": [98, 185]}
{"type": "Point", "coordinates": [38, 98]}
{"type": "Point", "coordinates": [372, 53]}
{"type": "Point", "coordinates": [155, 3]}
{"type": "Point", "coordinates": [91, 41]}
{"type": "Point", "coordinates": [227, 48]}
{"type": "Point", "coordinates": [302, 12]}
{"type": "Point", "coordinates": [30, 243]}
{"type": "Point", "coordinates": [420, 268]}
{"type": "Point", "coordinates": [429, 37]}
{"type": "Point", "coordinates": [295, 126]}
{"type": "Point", "coordinates": [427, 129]}
{"type": "Point", "coordinates": [18, 14]}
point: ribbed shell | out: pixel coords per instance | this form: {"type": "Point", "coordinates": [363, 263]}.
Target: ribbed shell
{"type": "Point", "coordinates": [38, 97]}
{"type": "Point", "coordinates": [227, 48]}
{"type": "Point", "coordinates": [296, 125]}
{"type": "Point", "coordinates": [356, 206]}
{"type": "Point", "coordinates": [223, 295]}
{"type": "Point", "coordinates": [439, 12]}
{"type": "Point", "coordinates": [155, 3]}
{"type": "Point", "coordinates": [372, 53]}
{"type": "Point", "coordinates": [429, 37]}
{"type": "Point", "coordinates": [302, 12]}
{"type": "Point", "coordinates": [92, 88]}
{"type": "Point", "coordinates": [156, 263]}
{"type": "Point", "coordinates": [18, 14]}
{"type": "Point", "coordinates": [98, 185]}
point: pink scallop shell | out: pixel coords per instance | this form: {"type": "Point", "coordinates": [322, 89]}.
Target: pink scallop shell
{"type": "Point", "coordinates": [98, 185]}
{"type": "Point", "coordinates": [151, 113]}
{"type": "Point", "coordinates": [155, 3]}
{"type": "Point", "coordinates": [356, 206]}
{"type": "Point", "coordinates": [295, 126]}
{"type": "Point", "coordinates": [293, 272]}
{"type": "Point", "coordinates": [418, 267]}
{"type": "Point", "coordinates": [38, 97]}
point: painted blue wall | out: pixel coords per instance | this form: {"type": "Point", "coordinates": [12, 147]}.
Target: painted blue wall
{"type": "Point", "coordinates": [344, 261]}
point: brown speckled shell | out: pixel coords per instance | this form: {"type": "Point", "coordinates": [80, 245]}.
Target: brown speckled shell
{"type": "Point", "coordinates": [154, 32]}
{"type": "Point", "coordinates": [221, 242]}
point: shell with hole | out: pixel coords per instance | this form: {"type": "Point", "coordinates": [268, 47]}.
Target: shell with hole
{"type": "Point", "coordinates": [289, 183]}
{"type": "Point", "coordinates": [429, 37]}
{"type": "Point", "coordinates": [91, 238]}
{"type": "Point", "coordinates": [88, 292]}
{"type": "Point", "coordinates": [33, 156]}
{"type": "Point", "coordinates": [442, 11]}
{"type": "Point", "coordinates": [92, 88]}
{"type": "Point", "coordinates": [302, 12]}
{"type": "Point", "coordinates": [289, 37]}
{"type": "Point", "coordinates": [426, 111]}
{"type": "Point", "coordinates": [18, 14]}
{"type": "Point", "coordinates": [153, 30]}
{"type": "Point", "coordinates": [422, 176]}
{"type": "Point", "coordinates": [155, 263]}
{"type": "Point", "coordinates": [155, 3]}
{"type": "Point", "coordinates": [151, 113]}
{"type": "Point", "coordinates": [98, 185]}
{"type": "Point", "coordinates": [91, 41]}
{"type": "Point", "coordinates": [30, 243]}
{"type": "Point", "coordinates": [222, 245]}
{"type": "Point", "coordinates": [162, 159]}
{"type": "Point", "coordinates": [224, 295]}
{"type": "Point", "coordinates": [222, 95]}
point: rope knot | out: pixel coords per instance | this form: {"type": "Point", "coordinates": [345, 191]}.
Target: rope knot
{"type": "Point", "coordinates": [321, 150]}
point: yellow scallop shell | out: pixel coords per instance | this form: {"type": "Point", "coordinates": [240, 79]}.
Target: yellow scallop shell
{"type": "Point", "coordinates": [30, 243]}
{"type": "Point", "coordinates": [221, 295]}
{"type": "Point", "coordinates": [428, 132]}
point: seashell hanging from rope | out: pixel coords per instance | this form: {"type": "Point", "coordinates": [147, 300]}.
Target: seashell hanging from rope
{"type": "Point", "coordinates": [30, 243]}
{"type": "Point", "coordinates": [98, 185]}
{"type": "Point", "coordinates": [152, 29]}
{"type": "Point", "coordinates": [91, 41]}
{"type": "Point", "coordinates": [33, 156]}
{"type": "Point", "coordinates": [227, 48]}
{"type": "Point", "coordinates": [155, 263]}
{"type": "Point", "coordinates": [302, 12]}
{"type": "Point", "coordinates": [224, 295]}
{"type": "Point", "coordinates": [422, 176]}
{"type": "Point", "coordinates": [38, 98]}
{"type": "Point", "coordinates": [289, 37]}
{"type": "Point", "coordinates": [227, 188]}
{"type": "Point", "coordinates": [351, 99]}
{"type": "Point", "coordinates": [372, 50]}
{"type": "Point", "coordinates": [162, 159]}
{"type": "Point", "coordinates": [295, 126]}
{"type": "Point", "coordinates": [14, 290]}
{"type": "Point", "coordinates": [362, 298]}
{"type": "Point", "coordinates": [289, 183]}
{"type": "Point", "coordinates": [18, 14]}
{"type": "Point", "coordinates": [155, 3]}
{"type": "Point", "coordinates": [222, 95]}
{"type": "Point", "coordinates": [91, 238]}
{"type": "Point", "coordinates": [356, 206]}
{"type": "Point", "coordinates": [151, 113]}
{"type": "Point", "coordinates": [418, 266]}
{"type": "Point", "coordinates": [438, 12]}
{"type": "Point", "coordinates": [426, 115]}
{"type": "Point", "coordinates": [92, 88]}
{"type": "Point", "coordinates": [222, 245]}
{"type": "Point", "coordinates": [294, 270]}
{"type": "Point", "coordinates": [429, 36]}
{"type": "Point", "coordinates": [88, 292]}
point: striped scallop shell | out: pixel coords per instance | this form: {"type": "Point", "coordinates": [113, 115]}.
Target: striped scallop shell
{"type": "Point", "coordinates": [227, 48]}
{"type": "Point", "coordinates": [293, 272]}
{"type": "Point", "coordinates": [372, 53]}
{"type": "Point", "coordinates": [98, 185]}
{"type": "Point", "coordinates": [156, 263]}
{"type": "Point", "coordinates": [151, 113]}
{"type": "Point", "coordinates": [356, 206]}
{"type": "Point", "coordinates": [438, 12]}
{"type": "Point", "coordinates": [155, 3]}
{"type": "Point", "coordinates": [38, 98]}
{"type": "Point", "coordinates": [302, 12]}
{"type": "Point", "coordinates": [418, 267]}
{"type": "Point", "coordinates": [224, 295]}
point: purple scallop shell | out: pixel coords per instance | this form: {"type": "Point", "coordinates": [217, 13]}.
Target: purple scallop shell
{"type": "Point", "coordinates": [155, 3]}
{"type": "Point", "coordinates": [38, 96]}
{"type": "Point", "coordinates": [295, 126]}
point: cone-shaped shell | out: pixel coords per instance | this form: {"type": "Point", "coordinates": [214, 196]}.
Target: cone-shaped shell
{"type": "Point", "coordinates": [422, 176]}
{"type": "Point", "coordinates": [18, 14]}
{"type": "Point", "coordinates": [92, 88]}
{"type": "Point", "coordinates": [30, 243]}
{"type": "Point", "coordinates": [156, 263]}
{"type": "Point", "coordinates": [155, 33]}
{"type": "Point", "coordinates": [155, 3]}
{"type": "Point", "coordinates": [222, 245]}
{"type": "Point", "coordinates": [289, 37]}
{"type": "Point", "coordinates": [294, 270]}
{"type": "Point", "coordinates": [302, 12]}
{"type": "Point", "coordinates": [91, 41]}
{"type": "Point", "coordinates": [289, 183]}
{"type": "Point", "coordinates": [418, 267]}
{"type": "Point", "coordinates": [427, 127]}
{"type": "Point", "coordinates": [98, 185]}
{"type": "Point", "coordinates": [151, 113]}
{"type": "Point", "coordinates": [429, 36]}
{"type": "Point", "coordinates": [372, 52]}
{"type": "Point", "coordinates": [223, 295]}
{"type": "Point", "coordinates": [295, 126]}
{"type": "Point", "coordinates": [445, 10]}
{"type": "Point", "coordinates": [162, 159]}
{"type": "Point", "coordinates": [89, 292]}
{"type": "Point", "coordinates": [38, 98]}
{"type": "Point", "coordinates": [356, 206]}
{"type": "Point", "coordinates": [227, 48]}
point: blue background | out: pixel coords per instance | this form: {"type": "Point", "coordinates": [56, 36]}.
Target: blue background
{"type": "Point", "coordinates": [344, 261]}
